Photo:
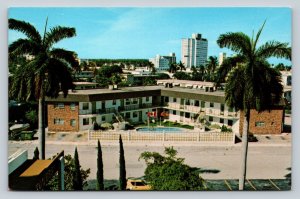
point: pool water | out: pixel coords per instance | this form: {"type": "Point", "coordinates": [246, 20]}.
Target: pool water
{"type": "Point", "coordinates": [160, 129]}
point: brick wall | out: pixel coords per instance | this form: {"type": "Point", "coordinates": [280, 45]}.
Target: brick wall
{"type": "Point", "coordinates": [273, 121]}
{"type": "Point", "coordinates": [62, 113]}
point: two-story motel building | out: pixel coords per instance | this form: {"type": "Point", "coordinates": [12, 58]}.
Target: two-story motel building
{"type": "Point", "coordinates": [81, 108]}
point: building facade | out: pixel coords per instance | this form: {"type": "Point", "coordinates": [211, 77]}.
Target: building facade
{"type": "Point", "coordinates": [162, 63]}
{"type": "Point", "coordinates": [79, 110]}
{"type": "Point", "coordinates": [194, 51]}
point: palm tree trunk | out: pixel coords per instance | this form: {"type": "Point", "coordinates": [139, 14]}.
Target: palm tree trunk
{"type": "Point", "coordinates": [244, 151]}
{"type": "Point", "coordinates": [41, 128]}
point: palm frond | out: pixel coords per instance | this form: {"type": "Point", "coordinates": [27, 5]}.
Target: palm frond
{"type": "Point", "coordinates": [26, 28]}
{"type": "Point", "coordinates": [68, 56]}
{"type": "Point", "coordinates": [257, 37]}
{"type": "Point", "coordinates": [57, 34]}
{"type": "Point", "coordinates": [274, 49]}
{"type": "Point", "coordinates": [227, 65]}
{"type": "Point", "coordinates": [58, 79]}
{"type": "Point", "coordinates": [237, 42]}
{"type": "Point", "coordinates": [22, 47]}
{"type": "Point", "coordinates": [235, 88]}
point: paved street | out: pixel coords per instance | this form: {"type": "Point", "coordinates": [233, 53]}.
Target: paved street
{"type": "Point", "coordinates": [268, 158]}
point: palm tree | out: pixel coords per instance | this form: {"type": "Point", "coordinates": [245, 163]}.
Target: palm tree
{"type": "Point", "coordinates": [251, 83]}
{"type": "Point", "coordinates": [181, 66]}
{"type": "Point", "coordinates": [173, 68]}
{"type": "Point", "coordinates": [211, 67]}
{"type": "Point", "coordinates": [45, 75]}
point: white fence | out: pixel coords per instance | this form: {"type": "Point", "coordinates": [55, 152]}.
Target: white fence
{"type": "Point", "coordinates": [163, 136]}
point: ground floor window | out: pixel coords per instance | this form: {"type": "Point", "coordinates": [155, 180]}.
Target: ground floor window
{"type": "Point", "coordinates": [221, 120]}
{"type": "Point", "coordinates": [85, 121]}
{"type": "Point", "coordinates": [210, 118]}
{"type": "Point", "coordinates": [103, 118]}
{"type": "Point", "coordinates": [135, 114]}
{"type": "Point", "coordinates": [230, 122]}
{"type": "Point", "coordinates": [259, 124]}
{"type": "Point", "coordinates": [174, 112]}
{"type": "Point", "coordinates": [73, 122]}
{"type": "Point", "coordinates": [127, 115]}
{"type": "Point", "coordinates": [59, 121]}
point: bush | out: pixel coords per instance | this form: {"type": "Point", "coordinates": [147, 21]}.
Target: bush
{"type": "Point", "coordinates": [169, 173]}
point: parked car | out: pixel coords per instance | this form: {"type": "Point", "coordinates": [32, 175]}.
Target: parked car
{"type": "Point", "coordinates": [136, 184]}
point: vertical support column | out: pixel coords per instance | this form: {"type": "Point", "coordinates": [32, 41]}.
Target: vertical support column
{"type": "Point", "coordinates": [198, 138]}
{"type": "Point", "coordinates": [88, 134]}
{"type": "Point", "coordinates": [164, 136]}
{"type": "Point", "coordinates": [128, 135]}
{"type": "Point", "coordinates": [61, 174]}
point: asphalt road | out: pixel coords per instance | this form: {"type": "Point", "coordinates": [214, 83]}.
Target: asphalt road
{"type": "Point", "coordinates": [220, 161]}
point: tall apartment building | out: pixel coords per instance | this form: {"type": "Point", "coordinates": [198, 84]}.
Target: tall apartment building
{"type": "Point", "coordinates": [80, 109]}
{"type": "Point", "coordinates": [163, 62]}
{"type": "Point", "coordinates": [194, 51]}
{"type": "Point", "coordinates": [222, 56]}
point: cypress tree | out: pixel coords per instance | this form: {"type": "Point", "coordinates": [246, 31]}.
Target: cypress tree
{"type": "Point", "coordinates": [77, 179]}
{"type": "Point", "coordinates": [100, 179]}
{"type": "Point", "coordinates": [36, 154]}
{"type": "Point", "coordinates": [122, 179]}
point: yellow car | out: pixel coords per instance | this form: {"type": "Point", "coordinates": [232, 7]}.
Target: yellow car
{"type": "Point", "coordinates": [140, 185]}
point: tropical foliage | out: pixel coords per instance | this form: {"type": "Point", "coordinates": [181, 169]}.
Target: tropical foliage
{"type": "Point", "coordinates": [122, 178]}
{"type": "Point", "coordinates": [250, 81]}
{"type": "Point", "coordinates": [69, 175]}
{"type": "Point", "coordinates": [100, 177]}
{"type": "Point", "coordinates": [169, 173]}
{"type": "Point", "coordinates": [47, 72]}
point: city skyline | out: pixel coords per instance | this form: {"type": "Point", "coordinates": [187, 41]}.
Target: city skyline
{"type": "Point", "coordinates": [142, 33]}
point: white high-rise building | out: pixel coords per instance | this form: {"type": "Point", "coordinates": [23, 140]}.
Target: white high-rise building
{"type": "Point", "coordinates": [222, 56]}
{"type": "Point", "coordinates": [194, 51]}
{"type": "Point", "coordinates": [162, 63]}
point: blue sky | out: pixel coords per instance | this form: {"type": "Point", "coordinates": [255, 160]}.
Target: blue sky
{"type": "Point", "coordinates": [145, 32]}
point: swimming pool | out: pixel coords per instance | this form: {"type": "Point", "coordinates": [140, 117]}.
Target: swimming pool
{"type": "Point", "coordinates": [159, 129]}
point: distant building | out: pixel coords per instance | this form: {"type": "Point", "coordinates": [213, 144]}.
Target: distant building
{"type": "Point", "coordinates": [85, 85]}
{"type": "Point", "coordinates": [84, 75]}
{"type": "Point", "coordinates": [194, 51]}
{"type": "Point", "coordinates": [163, 62]}
{"type": "Point", "coordinates": [222, 56]}
{"type": "Point", "coordinates": [287, 84]}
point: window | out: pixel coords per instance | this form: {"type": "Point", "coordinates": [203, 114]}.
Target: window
{"type": "Point", "coordinates": [127, 101]}
{"type": "Point", "coordinates": [103, 118]}
{"type": "Point", "coordinates": [72, 106]}
{"type": "Point", "coordinates": [127, 115]}
{"type": "Point", "coordinates": [114, 102]}
{"type": "Point", "coordinates": [147, 99]}
{"type": "Point", "coordinates": [202, 104]}
{"type": "Point", "coordinates": [174, 99]}
{"type": "Point", "coordinates": [58, 121]}
{"type": "Point", "coordinates": [222, 107]}
{"type": "Point", "coordinates": [73, 122]}
{"type": "Point", "coordinates": [196, 102]}
{"type": "Point", "coordinates": [230, 122]}
{"type": "Point", "coordinates": [187, 115]}
{"type": "Point", "coordinates": [174, 112]}
{"type": "Point", "coordinates": [135, 114]}
{"type": "Point", "coordinates": [259, 124]}
{"type": "Point", "coordinates": [85, 121]}
{"type": "Point", "coordinates": [134, 100]}
{"type": "Point", "coordinates": [221, 120]}
{"type": "Point", "coordinates": [230, 109]}
{"type": "Point", "coordinates": [59, 105]}
{"type": "Point", "coordinates": [166, 99]}
{"type": "Point", "coordinates": [210, 118]}
{"type": "Point", "coordinates": [211, 104]}
{"type": "Point", "coordinates": [187, 102]}
{"type": "Point", "coordinates": [85, 106]}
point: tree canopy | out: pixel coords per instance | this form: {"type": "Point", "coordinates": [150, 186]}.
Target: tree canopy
{"type": "Point", "coordinates": [169, 173]}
